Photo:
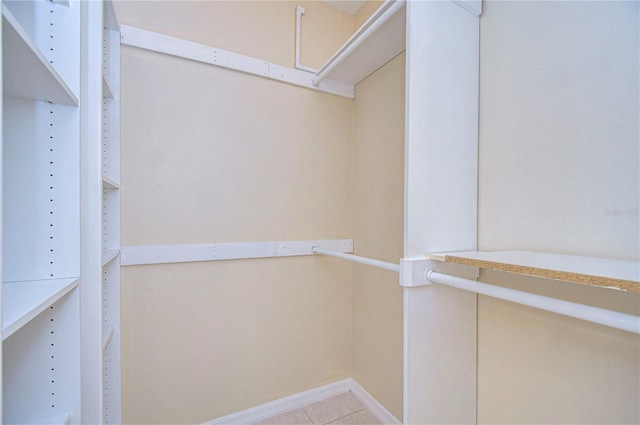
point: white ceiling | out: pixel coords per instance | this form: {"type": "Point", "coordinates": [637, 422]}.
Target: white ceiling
{"type": "Point", "coordinates": [347, 6]}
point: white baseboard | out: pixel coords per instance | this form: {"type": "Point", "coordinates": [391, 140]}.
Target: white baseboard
{"type": "Point", "coordinates": [296, 401]}
{"type": "Point", "coordinates": [374, 405]}
{"type": "Point", "coordinates": [283, 405]}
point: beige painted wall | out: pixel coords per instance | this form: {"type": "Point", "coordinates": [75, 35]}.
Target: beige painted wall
{"type": "Point", "coordinates": [377, 231]}
{"type": "Point", "coordinates": [212, 155]}
{"type": "Point", "coordinates": [559, 172]}
{"type": "Point", "coordinates": [365, 11]}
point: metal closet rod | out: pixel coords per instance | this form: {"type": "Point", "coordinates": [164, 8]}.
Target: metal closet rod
{"type": "Point", "coordinates": [601, 316]}
{"type": "Point", "coordinates": [356, 259]}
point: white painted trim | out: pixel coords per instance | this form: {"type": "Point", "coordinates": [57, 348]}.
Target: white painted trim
{"type": "Point", "coordinates": [373, 405]}
{"type": "Point", "coordinates": [161, 254]}
{"type": "Point", "coordinates": [161, 43]}
{"type": "Point", "coordinates": [283, 405]}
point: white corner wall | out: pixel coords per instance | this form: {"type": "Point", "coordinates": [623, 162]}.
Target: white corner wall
{"type": "Point", "coordinates": [558, 172]}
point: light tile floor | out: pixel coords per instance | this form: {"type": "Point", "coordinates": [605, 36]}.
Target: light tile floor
{"type": "Point", "coordinates": [343, 409]}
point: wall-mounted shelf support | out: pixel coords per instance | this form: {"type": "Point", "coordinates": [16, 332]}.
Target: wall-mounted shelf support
{"type": "Point", "coordinates": [159, 254]}
{"type": "Point", "coordinates": [161, 43]}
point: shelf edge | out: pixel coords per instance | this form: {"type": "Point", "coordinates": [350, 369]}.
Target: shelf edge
{"type": "Point", "coordinates": [388, 9]}
{"type": "Point", "coordinates": [25, 318]}
{"type": "Point", "coordinates": [109, 184]}
{"type": "Point", "coordinates": [107, 93]}
{"type": "Point", "coordinates": [107, 335]}
{"type": "Point", "coordinates": [14, 25]}
{"type": "Point", "coordinates": [572, 276]}
{"type": "Point", "coordinates": [108, 255]}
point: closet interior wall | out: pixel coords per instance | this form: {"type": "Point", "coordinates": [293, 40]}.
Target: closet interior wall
{"type": "Point", "coordinates": [570, 145]}
{"type": "Point", "coordinates": [377, 232]}
{"type": "Point", "coordinates": [214, 155]}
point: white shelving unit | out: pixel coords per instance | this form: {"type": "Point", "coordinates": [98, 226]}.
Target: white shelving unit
{"type": "Point", "coordinates": [40, 214]}
{"type": "Point", "coordinates": [46, 136]}
{"type": "Point", "coordinates": [111, 218]}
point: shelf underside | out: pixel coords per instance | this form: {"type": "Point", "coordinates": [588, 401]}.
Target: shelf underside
{"type": "Point", "coordinates": [109, 184]}
{"type": "Point", "coordinates": [30, 75]}
{"type": "Point", "coordinates": [617, 274]}
{"type": "Point", "coordinates": [23, 301]}
{"type": "Point", "coordinates": [366, 51]}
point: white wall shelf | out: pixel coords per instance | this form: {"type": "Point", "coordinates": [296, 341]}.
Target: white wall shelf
{"type": "Point", "coordinates": [62, 419]}
{"type": "Point", "coordinates": [609, 273]}
{"type": "Point", "coordinates": [30, 75]}
{"type": "Point", "coordinates": [107, 334]}
{"type": "Point", "coordinates": [109, 255]}
{"type": "Point", "coordinates": [22, 301]}
{"type": "Point", "coordinates": [109, 184]}
{"type": "Point", "coordinates": [106, 89]}
{"type": "Point", "coordinates": [376, 42]}
{"type": "Point", "coordinates": [51, 121]}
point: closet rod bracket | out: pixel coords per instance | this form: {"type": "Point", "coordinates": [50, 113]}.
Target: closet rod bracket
{"type": "Point", "coordinates": [413, 272]}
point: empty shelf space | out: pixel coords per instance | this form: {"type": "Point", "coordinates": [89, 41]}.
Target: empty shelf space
{"type": "Point", "coordinates": [22, 301]}
{"type": "Point", "coordinates": [106, 89]}
{"type": "Point", "coordinates": [61, 419]}
{"type": "Point", "coordinates": [376, 42]}
{"type": "Point", "coordinates": [109, 255]}
{"type": "Point", "coordinates": [107, 334]}
{"type": "Point", "coordinates": [618, 274]}
{"type": "Point", "coordinates": [108, 184]}
{"type": "Point", "coordinates": [30, 75]}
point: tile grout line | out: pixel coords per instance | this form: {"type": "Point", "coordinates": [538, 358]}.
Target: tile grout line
{"type": "Point", "coordinates": [350, 414]}
{"type": "Point", "coordinates": [307, 415]}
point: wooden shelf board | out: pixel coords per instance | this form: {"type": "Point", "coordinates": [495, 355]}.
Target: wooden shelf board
{"type": "Point", "coordinates": [30, 75]}
{"type": "Point", "coordinates": [617, 274]}
{"type": "Point", "coordinates": [377, 49]}
{"type": "Point", "coordinates": [107, 334]}
{"type": "Point", "coordinates": [23, 301]}
{"type": "Point", "coordinates": [109, 255]}
{"type": "Point", "coordinates": [107, 93]}
{"type": "Point", "coordinates": [108, 184]}
{"type": "Point", "coordinates": [61, 419]}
